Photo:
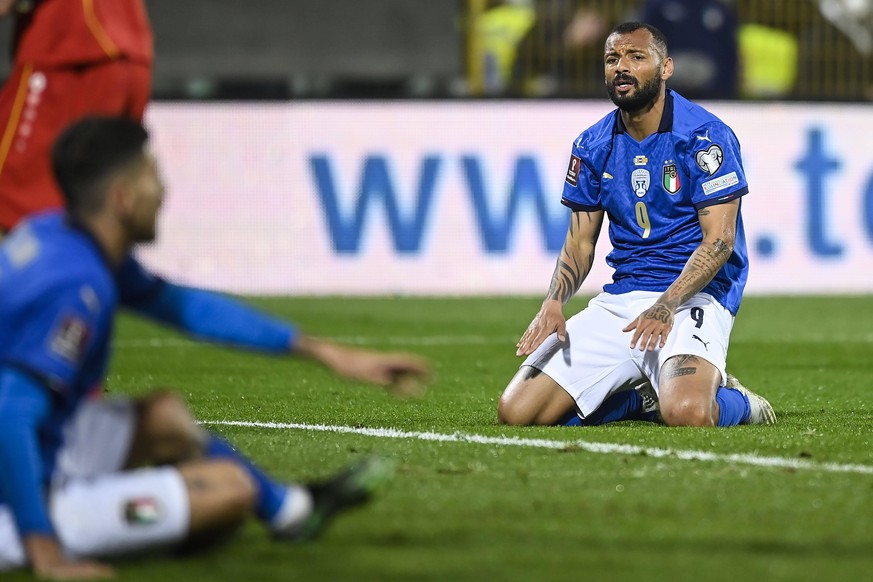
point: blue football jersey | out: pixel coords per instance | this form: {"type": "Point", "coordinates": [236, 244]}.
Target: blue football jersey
{"type": "Point", "coordinates": [651, 192]}
{"type": "Point", "coordinates": [58, 298]}
{"type": "Point", "coordinates": [57, 301]}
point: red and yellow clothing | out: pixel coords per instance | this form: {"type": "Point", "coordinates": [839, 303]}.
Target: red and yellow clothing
{"type": "Point", "coordinates": [71, 58]}
{"type": "Point", "coordinates": [72, 32]}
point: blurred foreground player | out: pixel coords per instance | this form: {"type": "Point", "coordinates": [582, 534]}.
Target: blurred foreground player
{"type": "Point", "coordinates": [71, 58]}
{"type": "Point", "coordinates": [72, 482]}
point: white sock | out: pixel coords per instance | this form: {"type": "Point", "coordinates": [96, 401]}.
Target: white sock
{"type": "Point", "coordinates": [295, 509]}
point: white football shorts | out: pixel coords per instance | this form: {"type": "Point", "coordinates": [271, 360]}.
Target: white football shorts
{"type": "Point", "coordinates": [97, 509]}
{"type": "Point", "coordinates": [596, 360]}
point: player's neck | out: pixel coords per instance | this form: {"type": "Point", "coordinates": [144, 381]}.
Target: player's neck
{"type": "Point", "coordinates": [644, 122]}
{"type": "Point", "coordinates": [111, 237]}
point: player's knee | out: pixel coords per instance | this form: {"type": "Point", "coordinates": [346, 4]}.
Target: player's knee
{"type": "Point", "coordinates": [687, 413]}
{"type": "Point", "coordinates": [533, 399]}
{"type": "Point", "coordinates": [161, 404]}
{"type": "Point", "coordinates": [169, 429]}
{"type": "Point", "coordinates": [168, 410]}
{"type": "Point", "coordinates": [506, 411]}
{"type": "Point", "coordinates": [511, 411]}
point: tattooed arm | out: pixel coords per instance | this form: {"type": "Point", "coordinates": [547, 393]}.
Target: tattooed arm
{"type": "Point", "coordinates": [577, 256]}
{"type": "Point", "coordinates": [719, 226]}
{"type": "Point", "coordinates": [574, 264]}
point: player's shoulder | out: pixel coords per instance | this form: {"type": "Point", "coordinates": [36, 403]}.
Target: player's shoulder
{"type": "Point", "coordinates": [598, 136]}
{"type": "Point", "coordinates": [693, 122]}
{"type": "Point", "coordinates": [50, 256]}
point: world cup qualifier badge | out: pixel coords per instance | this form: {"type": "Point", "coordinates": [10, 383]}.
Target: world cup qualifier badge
{"type": "Point", "coordinates": [573, 170]}
{"type": "Point", "coordinates": [671, 178]}
{"type": "Point", "coordinates": [142, 511]}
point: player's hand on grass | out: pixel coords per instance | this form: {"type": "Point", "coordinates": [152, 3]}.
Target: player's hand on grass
{"type": "Point", "coordinates": [50, 563]}
{"type": "Point", "coordinates": [651, 327]}
{"type": "Point", "coordinates": [549, 320]}
{"type": "Point", "coordinates": [75, 571]}
{"type": "Point", "coordinates": [402, 375]}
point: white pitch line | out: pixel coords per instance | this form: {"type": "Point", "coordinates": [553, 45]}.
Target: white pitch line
{"type": "Point", "coordinates": [430, 340]}
{"type": "Point", "coordinates": [473, 340]}
{"type": "Point", "coordinates": [433, 340]}
{"type": "Point", "coordinates": [591, 447]}
{"type": "Point", "coordinates": [155, 342]}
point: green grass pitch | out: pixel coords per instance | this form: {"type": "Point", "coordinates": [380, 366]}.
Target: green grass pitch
{"type": "Point", "coordinates": [469, 511]}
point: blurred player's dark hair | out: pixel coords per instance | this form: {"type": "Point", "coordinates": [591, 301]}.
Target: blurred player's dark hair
{"type": "Point", "coordinates": [88, 152]}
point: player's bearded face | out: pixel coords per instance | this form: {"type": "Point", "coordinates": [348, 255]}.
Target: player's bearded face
{"type": "Point", "coordinates": [639, 97]}
{"type": "Point", "coordinates": [635, 72]}
{"type": "Point", "coordinates": [147, 195]}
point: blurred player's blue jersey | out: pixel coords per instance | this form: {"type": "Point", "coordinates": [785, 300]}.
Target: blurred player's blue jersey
{"type": "Point", "coordinates": [651, 192]}
{"type": "Point", "coordinates": [58, 299]}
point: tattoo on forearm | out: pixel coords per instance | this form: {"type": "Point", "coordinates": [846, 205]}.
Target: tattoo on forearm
{"type": "Point", "coordinates": [571, 269]}
{"type": "Point", "coordinates": [704, 264]}
{"type": "Point", "coordinates": [565, 281]}
{"type": "Point", "coordinates": [722, 249]}
{"type": "Point", "coordinates": [708, 259]}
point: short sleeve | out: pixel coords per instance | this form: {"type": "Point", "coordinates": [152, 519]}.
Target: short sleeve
{"type": "Point", "coordinates": [581, 184]}
{"type": "Point", "coordinates": [58, 337]}
{"type": "Point", "coordinates": [715, 165]}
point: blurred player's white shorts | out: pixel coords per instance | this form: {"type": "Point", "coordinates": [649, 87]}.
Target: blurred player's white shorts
{"type": "Point", "coordinates": [98, 510]}
{"type": "Point", "coordinates": [596, 360]}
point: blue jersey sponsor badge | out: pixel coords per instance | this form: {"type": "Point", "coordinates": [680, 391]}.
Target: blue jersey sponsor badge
{"type": "Point", "coordinates": [573, 171]}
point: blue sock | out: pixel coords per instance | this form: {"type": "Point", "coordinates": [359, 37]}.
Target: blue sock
{"type": "Point", "coordinates": [624, 405]}
{"type": "Point", "coordinates": [271, 494]}
{"type": "Point", "coordinates": [733, 406]}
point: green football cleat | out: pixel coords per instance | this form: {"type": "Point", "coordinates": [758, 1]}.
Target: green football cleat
{"type": "Point", "coordinates": [352, 487]}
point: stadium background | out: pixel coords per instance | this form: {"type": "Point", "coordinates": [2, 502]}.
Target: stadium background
{"type": "Point", "coordinates": [315, 149]}
{"type": "Point", "coordinates": [395, 155]}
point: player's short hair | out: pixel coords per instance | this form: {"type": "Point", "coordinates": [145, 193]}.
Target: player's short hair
{"type": "Point", "coordinates": [658, 39]}
{"type": "Point", "coordinates": [88, 152]}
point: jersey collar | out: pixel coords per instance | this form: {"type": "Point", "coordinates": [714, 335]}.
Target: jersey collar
{"type": "Point", "coordinates": [666, 123]}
